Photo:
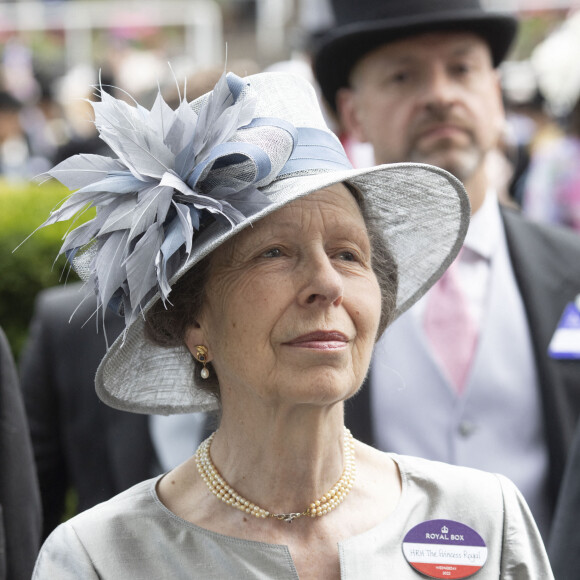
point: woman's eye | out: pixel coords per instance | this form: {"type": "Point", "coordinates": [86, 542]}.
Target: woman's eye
{"type": "Point", "coordinates": [347, 256]}
{"type": "Point", "coordinates": [272, 253]}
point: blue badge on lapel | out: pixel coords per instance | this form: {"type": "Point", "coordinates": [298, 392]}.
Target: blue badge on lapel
{"type": "Point", "coordinates": [565, 343]}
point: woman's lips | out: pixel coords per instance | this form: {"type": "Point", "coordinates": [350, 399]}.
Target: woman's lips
{"type": "Point", "coordinates": [320, 340]}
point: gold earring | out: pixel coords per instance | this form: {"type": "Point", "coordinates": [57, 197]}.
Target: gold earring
{"type": "Point", "coordinates": [202, 358]}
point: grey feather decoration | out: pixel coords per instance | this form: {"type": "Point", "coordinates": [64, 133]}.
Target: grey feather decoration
{"type": "Point", "coordinates": [167, 180]}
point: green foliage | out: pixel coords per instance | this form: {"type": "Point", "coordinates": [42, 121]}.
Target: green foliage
{"type": "Point", "coordinates": [31, 267]}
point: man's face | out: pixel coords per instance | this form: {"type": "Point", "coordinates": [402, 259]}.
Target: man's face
{"type": "Point", "coordinates": [433, 98]}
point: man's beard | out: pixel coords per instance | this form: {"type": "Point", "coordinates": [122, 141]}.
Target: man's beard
{"type": "Point", "coordinates": [462, 163]}
{"type": "Point", "coordinates": [461, 156]}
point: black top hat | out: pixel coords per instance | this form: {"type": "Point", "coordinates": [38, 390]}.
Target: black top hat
{"type": "Point", "coordinates": [363, 25]}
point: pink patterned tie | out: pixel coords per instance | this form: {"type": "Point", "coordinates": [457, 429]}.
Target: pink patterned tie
{"type": "Point", "coordinates": [450, 327]}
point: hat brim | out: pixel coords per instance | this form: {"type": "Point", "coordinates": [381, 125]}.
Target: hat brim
{"type": "Point", "coordinates": [336, 52]}
{"type": "Point", "coordinates": [425, 214]}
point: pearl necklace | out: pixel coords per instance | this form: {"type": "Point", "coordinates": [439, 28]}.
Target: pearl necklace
{"type": "Point", "coordinates": [325, 504]}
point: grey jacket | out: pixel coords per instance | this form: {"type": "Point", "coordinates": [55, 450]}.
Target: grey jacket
{"type": "Point", "coordinates": [135, 536]}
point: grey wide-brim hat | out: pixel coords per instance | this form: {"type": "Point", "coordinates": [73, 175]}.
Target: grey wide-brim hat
{"type": "Point", "coordinates": [261, 145]}
{"type": "Point", "coordinates": [364, 25]}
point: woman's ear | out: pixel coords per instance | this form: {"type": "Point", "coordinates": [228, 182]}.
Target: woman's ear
{"type": "Point", "coordinates": [194, 337]}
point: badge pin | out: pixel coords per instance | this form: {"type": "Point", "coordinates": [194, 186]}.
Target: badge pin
{"type": "Point", "coordinates": [565, 343]}
{"type": "Point", "coordinates": [444, 549]}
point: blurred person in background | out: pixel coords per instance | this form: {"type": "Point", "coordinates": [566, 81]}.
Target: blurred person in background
{"type": "Point", "coordinates": [20, 512]}
{"type": "Point", "coordinates": [14, 151]}
{"type": "Point", "coordinates": [17, 158]}
{"type": "Point", "coordinates": [27, 146]}
{"type": "Point", "coordinates": [72, 92]}
{"type": "Point", "coordinates": [79, 445]}
{"type": "Point", "coordinates": [17, 69]}
{"type": "Point", "coordinates": [528, 123]}
{"type": "Point", "coordinates": [82, 447]}
{"type": "Point", "coordinates": [551, 192]}
{"type": "Point", "coordinates": [43, 122]}
{"type": "Point", "coordinates": [465, 376]}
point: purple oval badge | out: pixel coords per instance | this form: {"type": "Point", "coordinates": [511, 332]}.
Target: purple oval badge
{"type": "Point", "coordinates": [444, 549]}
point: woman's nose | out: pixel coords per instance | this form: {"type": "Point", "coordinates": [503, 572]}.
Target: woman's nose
{"type": "Point", "coordinates": [322, 283]}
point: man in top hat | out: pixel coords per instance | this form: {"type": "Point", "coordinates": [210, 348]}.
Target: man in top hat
{"type": "Point", "coordinates": [466, 375]}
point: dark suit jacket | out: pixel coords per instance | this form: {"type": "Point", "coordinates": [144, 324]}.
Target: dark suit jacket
{"type": "Point", "coordinates": [79, 442]}
{"type": "Point", "coordinates": [564, 544]}
{"type": "Point", "coordinates": [20, 513]}
{"type": "Point", "coordinates": [546, 262]}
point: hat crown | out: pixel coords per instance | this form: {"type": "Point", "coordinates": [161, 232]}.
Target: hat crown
{"type": "Point", "coordinates": [347, 12]}
{"type": "Point", "coordinates": [279, 95]}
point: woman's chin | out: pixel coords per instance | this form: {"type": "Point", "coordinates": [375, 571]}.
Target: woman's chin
{"type": "Point", "coordinates": [321, 389]}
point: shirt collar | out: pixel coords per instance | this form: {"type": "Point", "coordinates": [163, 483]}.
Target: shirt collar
{"type": "Point", "coordinates": [484, 230]}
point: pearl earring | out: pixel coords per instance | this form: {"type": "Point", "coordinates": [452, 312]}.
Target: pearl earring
{"type": "Point", "coordinates": [202, 358]}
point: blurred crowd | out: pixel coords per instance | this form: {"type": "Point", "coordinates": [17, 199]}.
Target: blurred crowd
{"type": "Point", "coordinates": [45, 118]}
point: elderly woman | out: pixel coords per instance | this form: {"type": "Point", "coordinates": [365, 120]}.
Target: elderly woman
{"type": "Point", "coordinates": [255, 270]}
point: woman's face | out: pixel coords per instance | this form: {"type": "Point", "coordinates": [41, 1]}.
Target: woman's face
{"type": "Point", "coordinates": [292, 305]}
